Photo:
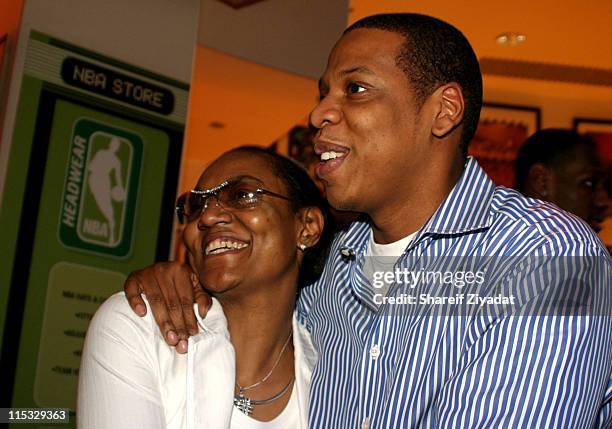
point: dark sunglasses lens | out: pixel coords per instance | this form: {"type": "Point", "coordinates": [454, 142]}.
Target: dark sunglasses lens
{"type": "Point", "coordinates": [239, 195]}
{"type": "Point", "coordinates": [194, 205]}
{"type": "Point", "coordinates": [189, 206]}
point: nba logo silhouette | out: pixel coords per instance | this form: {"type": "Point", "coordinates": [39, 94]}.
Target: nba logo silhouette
{"type": "Point", "coordinates": [100, 188]}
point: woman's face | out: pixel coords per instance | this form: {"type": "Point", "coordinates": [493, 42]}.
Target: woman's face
{"type": "Point", "coordinates": [249, 247]}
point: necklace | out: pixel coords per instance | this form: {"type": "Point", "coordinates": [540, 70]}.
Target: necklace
{"type": "Point", "coordinates": [263, 380]}
{"type": "Point", "coordinates": [245, 405]}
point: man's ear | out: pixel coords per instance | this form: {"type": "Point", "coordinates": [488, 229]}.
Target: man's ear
{"type": "Point", "coordinates": [310, 226]}
{"type": "Point", "coordinates": [539, 181]}
{"type": "Point", "coordinates": [449, 111]}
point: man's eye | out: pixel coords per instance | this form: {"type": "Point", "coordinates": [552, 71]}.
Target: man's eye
{"type": "Point", "coordinates": [354, 88]}
{"type": "Point", "coordinates": [589, 184]}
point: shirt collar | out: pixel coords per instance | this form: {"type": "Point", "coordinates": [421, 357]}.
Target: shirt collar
{"type": "Point", "coordinates": [466, 208]}
{"type": "Point", "coordinates": [214, 321]}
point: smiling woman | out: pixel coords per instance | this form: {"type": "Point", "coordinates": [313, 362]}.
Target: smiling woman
{"type": "Point", "coordinates": [255, 230]}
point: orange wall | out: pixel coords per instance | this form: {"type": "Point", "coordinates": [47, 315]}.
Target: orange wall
{"type": "Point", "coordinates": [257, 105]}
{"type": "Point", "coordinates": [10, 18]}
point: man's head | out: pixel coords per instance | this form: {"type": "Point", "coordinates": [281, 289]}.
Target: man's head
{"type": "Point", "coordinates": [400, 99]}
{"type": "Point", "coordinates": [563, 167]}
{"type": "Point", "coordinates": [433, 53]}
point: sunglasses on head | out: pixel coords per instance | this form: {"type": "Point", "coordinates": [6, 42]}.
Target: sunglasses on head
{"type": "Point", "coordinates": [230, 195]}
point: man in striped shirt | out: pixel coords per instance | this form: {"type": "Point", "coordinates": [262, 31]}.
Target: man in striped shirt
{"type": "Point", "coordinates": [457, 303]}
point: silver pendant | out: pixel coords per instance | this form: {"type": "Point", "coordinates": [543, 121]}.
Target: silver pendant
{"type": "Point", "coordinates": [243, 404]}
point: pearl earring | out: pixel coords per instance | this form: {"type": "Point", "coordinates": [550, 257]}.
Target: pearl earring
{"type": "Point", "coordinates": [302, 246]}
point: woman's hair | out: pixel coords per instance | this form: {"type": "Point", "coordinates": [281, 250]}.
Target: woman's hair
{"type": "Point", "coordinates": [303, 193]}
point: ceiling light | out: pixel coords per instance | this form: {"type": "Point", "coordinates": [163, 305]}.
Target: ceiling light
{"type": "Point", "coordinates": [510, 39]}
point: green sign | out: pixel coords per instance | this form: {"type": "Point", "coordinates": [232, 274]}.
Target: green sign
{"type": "Point", "coordinates": [74, 293]}
{"type": "Point", "coordinates": [90, 190]}
{"type": "Point", "coordinates": [110, 83]}
{"type": "Point", "coordinates": [100, 190]}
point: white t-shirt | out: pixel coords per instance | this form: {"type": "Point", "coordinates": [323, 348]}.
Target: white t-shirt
{"type": "Point", "coordinates": [382, 258]}
{"type": "Point", "coordinates": [288, 418]}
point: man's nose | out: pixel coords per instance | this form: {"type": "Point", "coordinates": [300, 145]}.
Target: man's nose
{"type": "Point", "coordinates": [327, 111]}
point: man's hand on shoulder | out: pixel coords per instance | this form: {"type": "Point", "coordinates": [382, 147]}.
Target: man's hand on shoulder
{"type": "Point", "coordinates": [171, 289]}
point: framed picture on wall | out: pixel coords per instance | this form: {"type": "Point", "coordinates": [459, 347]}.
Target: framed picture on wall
{"type": "Point", "coordinates": [600, 130]}
{"type": "Point", "coordinates": [501, 131]}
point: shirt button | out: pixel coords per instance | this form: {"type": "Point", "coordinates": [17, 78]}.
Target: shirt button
{"type": "Point", "coordinates": [375, 351]}
{"type": "Point", "coordinates": [366, 423]}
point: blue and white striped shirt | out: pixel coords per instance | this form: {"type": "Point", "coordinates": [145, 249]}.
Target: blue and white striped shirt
{"type": "Point", "coordinates": [398, 366]}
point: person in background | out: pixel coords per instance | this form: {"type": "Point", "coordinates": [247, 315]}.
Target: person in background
{"type": "Point", "coordinates": [564, 168]}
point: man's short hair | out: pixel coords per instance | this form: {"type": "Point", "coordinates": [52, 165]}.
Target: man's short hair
{"type": "Point", "coordinates": [434, 53]}
{"type": "Point", "coordinates": [552, 147]}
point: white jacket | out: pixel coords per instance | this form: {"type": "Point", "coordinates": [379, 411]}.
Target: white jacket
{"type": "Point", "coordinates": [130, 378]}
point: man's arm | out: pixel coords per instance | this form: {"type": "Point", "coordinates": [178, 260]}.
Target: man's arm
{"type": "Point", "coordinates": [171, 289]}
{"type": "Point", "coordinates": [546, 365]}
{"type": "Point", "coordinates": [605, 412]}
{"type": "Point", "coordinates": [530, 371]}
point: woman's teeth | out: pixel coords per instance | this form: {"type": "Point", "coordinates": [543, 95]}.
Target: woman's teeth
{"type": "Point", "coordinates": [331, 155]}
{"type": "Point", "coordinates": [220, 246]}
